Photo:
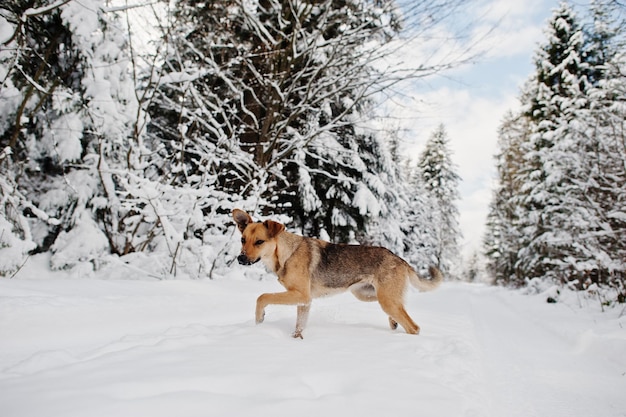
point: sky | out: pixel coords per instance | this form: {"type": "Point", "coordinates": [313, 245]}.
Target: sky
{"type": "Point", "coordinates": [472, 99]}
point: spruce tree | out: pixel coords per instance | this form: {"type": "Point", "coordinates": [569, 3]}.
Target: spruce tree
{"type": "Point", "coordinates": [441, 181]}
{"type": "Point", "coordinates": [556, 213]}
{"type": "Point", "coordinates": [68, 124]}
{"type": "Point", "coordinates": [557, 92]}
{"type": "Point", "coordinates": [602, 149]}
{"type": "Point", "coordinates": [503, 234]}
{"type": "Point", "coordinates": [419, 222]}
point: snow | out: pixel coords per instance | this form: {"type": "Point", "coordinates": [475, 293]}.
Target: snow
{"type": "Point", "coordinates": [6, 30]}
{"type": "Point", "coordinates": [12, 248]}
{"type": "Point", "coordinates": [366, 201]}
{"type": "Point", "coordinates": [63, 139]}
{"type": "Point", "coordinates": [82, 244]}
{"type": "Point", "coordinates": [140, 346]}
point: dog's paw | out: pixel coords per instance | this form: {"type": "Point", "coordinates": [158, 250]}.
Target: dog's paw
{"type": "Point", "coordinates": [393, 324]}
{"type": "Point", "coordinates": [415, 330]}
{"type": "Point", "coordinates": [260, 317]}
{"type": "Point", "coordinates": [297, 334]}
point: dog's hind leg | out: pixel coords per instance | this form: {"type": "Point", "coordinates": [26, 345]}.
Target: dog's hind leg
{"type": "Point", "coordinates": [367, 293]}
{"type": "Point", "coordinates": [397, 314]}
{"type": "Point", "coordinates": [393, 324]}
{"type": "Point", "coordinates": [391, 302]}
{"type": "Point", "coordinates": [303, 316]}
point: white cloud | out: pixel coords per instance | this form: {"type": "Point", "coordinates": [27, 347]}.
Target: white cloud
{"type": "Point", "coordinates": [510, 28]}
{"type": "Point", "coordinates": [473, 217]}
{"type": "Point", "coordinates": [471, 121]}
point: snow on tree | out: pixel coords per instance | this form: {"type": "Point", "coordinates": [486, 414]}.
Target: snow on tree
{"type": "Point", "coordinates": [268, 96]}
{"type": "Point", "coordinates": [440, 179]}
{"type": "Point", "coordinates": [133, 144]}
{"type": "Point", "coordinates": [603, 44]}
{"type": "Point", "coordinates": [73, 104]}
{"type": "Point", "coordinates": [603, 145]}
{"type": "Point", "coordinates": [418, 222]}
{"type": "Point", "coordinates": [557, 92]}
{"type": "Point", "coordinates": [16, 239]}
{"type": "Point", "coordinates": [79, 180]}
{"type": "Point", "coordinates": [473, 271]}
{"type": "Point", "coordinates": [557, 212]}
{"type": "Point", "coordinates": [502, 236]}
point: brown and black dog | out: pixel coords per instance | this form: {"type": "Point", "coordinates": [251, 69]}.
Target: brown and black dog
{"type": "Point", "coordinates": [309, 268]}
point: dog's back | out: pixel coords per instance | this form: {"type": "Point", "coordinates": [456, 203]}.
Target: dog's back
{"type": "Point", "coordinates": [340, 266]}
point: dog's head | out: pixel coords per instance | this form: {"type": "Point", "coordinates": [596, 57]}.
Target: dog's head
{"type": "Point", "coordinates": [258, 240]}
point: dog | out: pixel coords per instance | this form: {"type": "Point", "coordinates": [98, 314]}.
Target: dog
{"type": "Point", "coordinates": [310, 268]}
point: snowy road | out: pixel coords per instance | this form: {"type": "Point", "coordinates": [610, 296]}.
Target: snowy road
{"type": "Point", "coordinates": [190, 348]}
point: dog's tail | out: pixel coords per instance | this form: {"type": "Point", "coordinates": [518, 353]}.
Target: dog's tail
{"type": "Point", "coordinates": [423, 284]}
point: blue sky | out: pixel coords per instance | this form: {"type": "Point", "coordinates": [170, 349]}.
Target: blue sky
{"type": "Point", "coordinates": [471, 101]}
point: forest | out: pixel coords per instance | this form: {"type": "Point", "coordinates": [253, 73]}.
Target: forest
{"type": "Point", "coordinates": [558, 213]}
{"type": "Point", "coordinates": [122, 138]}
{"type": "Point", "coordinates": [129, 132]}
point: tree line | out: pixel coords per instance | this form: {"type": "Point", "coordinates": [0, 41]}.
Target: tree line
{"type": "Point", "coordinates": [124, 137]}
{"type": "Point", "coordinates": [558, 213]}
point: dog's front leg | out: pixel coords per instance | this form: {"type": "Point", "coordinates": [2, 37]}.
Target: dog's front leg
{"type": "Point", "coordinates": [287, 297]}
{"type": "Point", "coordinates": [303, 316]}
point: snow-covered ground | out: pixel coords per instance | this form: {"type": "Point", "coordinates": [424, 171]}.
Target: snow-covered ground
{"type": "Point", "coordinates": [97, 347]}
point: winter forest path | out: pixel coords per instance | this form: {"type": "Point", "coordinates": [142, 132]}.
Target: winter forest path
{"type": "Point", "coordinates": [191, 348]}
{"type": "Point", "coordinates": [535, 365]}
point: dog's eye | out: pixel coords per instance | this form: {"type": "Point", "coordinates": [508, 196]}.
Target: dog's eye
{"type": "Point", "coordinates": [259, 242]}
{"type": "Point", "coordinates": [243, 240]}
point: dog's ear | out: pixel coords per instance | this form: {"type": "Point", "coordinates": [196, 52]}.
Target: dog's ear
{"type": "Point", "coordinates": [273, 227]}
{"type": "Point", "coordinates": [242, 219]}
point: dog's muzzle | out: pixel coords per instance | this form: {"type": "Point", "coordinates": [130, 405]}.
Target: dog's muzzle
{"type": "Point", "coordinates": [244, 260]}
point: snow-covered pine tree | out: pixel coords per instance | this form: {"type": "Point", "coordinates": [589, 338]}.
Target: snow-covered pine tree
{"type": "Point", "coordinates": [556, 93]}
{"type": "Point", "coordinates": [419, 222]}
{"type": "Point", "coordinates": [386, 208]}
{"type": "Point", "coordinates": [602, 148]}
{"type": "Point", "coordinates": [557, 212]}
{"type": "Point", "coordinates": [266, 95]}
{"type": "Point", "coordinates": [441, 181]}
{"type": "Point", "coordinates": [502, 234]}
{"type": "Point", "coordinates": [602, 40]}
{"type": "Point", "coordinates": [69, 111]}
{"type": "Point", "coordinates": [473, 269]}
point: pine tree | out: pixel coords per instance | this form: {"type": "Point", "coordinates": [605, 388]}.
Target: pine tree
{"type": "Point", "coordinates": [266, 96]}
{"type": "Point", "coordinates": [69, 122]}
{"type": "Point", "coordinates": [603, 151]}
{"type": "Point", "coordinates": [473, 270]}
{"type": "Point", "coordinates": [503, 234]}
{"type": "Point", "coordinates": [440, 180]}
{"type": "Point", "coordinates": [555, 214]}
{"type": "Point", "coordinates": [602, 40]}
{"type": "Point", "coordinates": [557, 93]}
{"type": "Point", "coordinates": [419, 222]}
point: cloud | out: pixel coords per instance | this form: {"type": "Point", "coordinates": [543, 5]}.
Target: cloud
{"type": "Point", "coordinates": [470, 100]}
{"type": "Point", "coordinates": [509, 28]}
{"type": "Point", "coordinates": [473, 217]}
{"type": "Point", "coordinates": [472, 122]}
